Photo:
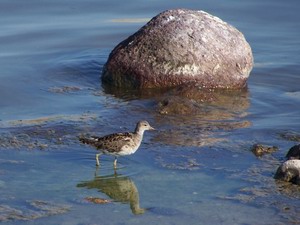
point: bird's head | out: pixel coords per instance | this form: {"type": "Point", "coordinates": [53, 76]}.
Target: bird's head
{"type": "Point", "coordinates": [142, 126]}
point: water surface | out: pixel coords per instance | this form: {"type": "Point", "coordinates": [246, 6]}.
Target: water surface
{"type": "Point", "coordinates": [193, 170]}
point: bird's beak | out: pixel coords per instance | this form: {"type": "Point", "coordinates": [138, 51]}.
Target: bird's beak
{"type": "Point", "coordinates": [151, 128]}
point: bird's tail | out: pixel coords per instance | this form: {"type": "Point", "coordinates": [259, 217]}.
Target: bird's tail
{"type": "Point", "coordinates": [87, 140]}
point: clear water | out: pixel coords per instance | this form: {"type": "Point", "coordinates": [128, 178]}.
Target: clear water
{"type": "Point", "coordinates": [192, 170]}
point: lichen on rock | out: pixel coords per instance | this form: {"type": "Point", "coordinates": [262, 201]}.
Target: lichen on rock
{"type": "Point", "coordinates": [180, 46]}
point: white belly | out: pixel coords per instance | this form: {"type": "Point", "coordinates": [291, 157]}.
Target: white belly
{"type": "Point", "coordinates": [129, 149]}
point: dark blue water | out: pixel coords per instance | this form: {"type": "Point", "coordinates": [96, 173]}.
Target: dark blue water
{"type": "Point", "coordinates": [192, 170]}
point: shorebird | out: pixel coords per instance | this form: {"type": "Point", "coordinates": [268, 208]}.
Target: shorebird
{"type": "Point", "coordinates": [118, 144]}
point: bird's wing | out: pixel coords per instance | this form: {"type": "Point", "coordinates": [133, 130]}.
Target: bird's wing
{"type": "Point", "coordinates": [114, 142]}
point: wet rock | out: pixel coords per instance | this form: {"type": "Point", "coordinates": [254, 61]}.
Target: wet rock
{"type": "Point", "coordinates": [260, 150]}
{"type": "Point", "coordinates": [289, 171]}
{"type": "Point", "coordinates": [294, 152]}
{"type": "Point", "coordinates": [181, 46]}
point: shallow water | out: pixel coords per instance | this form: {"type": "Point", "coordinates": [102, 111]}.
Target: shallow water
{"type": "Point", "coordinates": [193, 169]}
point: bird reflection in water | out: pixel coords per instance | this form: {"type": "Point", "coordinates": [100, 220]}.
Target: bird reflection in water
{"type": "Point", "coordinates": [118, 188]}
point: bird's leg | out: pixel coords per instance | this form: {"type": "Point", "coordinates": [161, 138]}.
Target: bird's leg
{"type": "Point", "coordinates": [97, 159]}
{"type": "Point", "coordinates": [115, 162]}
{"type": "Point", "coordinates": [96, 171]}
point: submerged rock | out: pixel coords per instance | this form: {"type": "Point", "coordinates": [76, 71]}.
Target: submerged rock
{"type": "Point", "coordinates": [43, 132]}
{"type": "Point", "coordinates": [34, 210]}
{"type": "Point", "coordinates": [64, 89]}
{"type": "Point", "coordinates": [200, 116]}
{"type": "Point", "coordinates": [191, 99]}
{"type": "Point", "coordinates": [180, 46]}
{"type": "Point", "coordinates": [290, 136]}
{"type": "Point", "coordinates": [289, 171]}
{"type": "Point", "coordinates": [177, 105]}
{"type": "Point", "coordinates": [97, 200]}
{"type": "Point", "coordinates": [259, 150]}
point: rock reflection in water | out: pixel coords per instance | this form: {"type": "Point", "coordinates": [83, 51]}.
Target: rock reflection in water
{"type": "Point", "coordinates": [119, 188]}
{"type": "Point", "coordinates": [200, 116]}
{"type": "Point", "coordinates": [211, 104]}
{"type": "Point", "coordinates": [131, 94]}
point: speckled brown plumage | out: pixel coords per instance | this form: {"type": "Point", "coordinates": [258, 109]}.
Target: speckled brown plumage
{"type": "Point", "coordinates": [118, 144]}
{"type": "Point", "coordinates": [111, 143]}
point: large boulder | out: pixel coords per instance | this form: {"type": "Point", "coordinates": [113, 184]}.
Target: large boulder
{"type": "Point", "coordinates": [180, 46]}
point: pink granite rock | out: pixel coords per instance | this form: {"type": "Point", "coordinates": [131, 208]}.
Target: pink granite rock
{"type": "Point", "coordinates": [181, 46]}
